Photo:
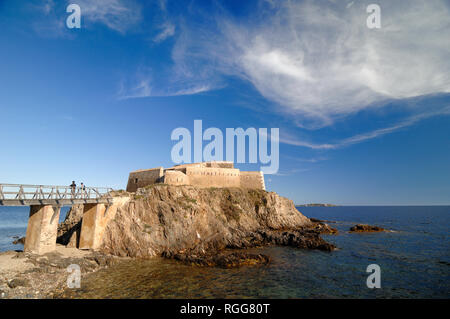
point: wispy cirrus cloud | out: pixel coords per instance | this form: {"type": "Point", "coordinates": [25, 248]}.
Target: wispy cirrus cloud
{"type": "Point", "coordinates": [320, 62]}
{"type": "Point", "coordinates": [141, 87]}
{"type": "Point", "coordinates": [49, 24]}
{"type": "Point", "coordinates": [167, 30]}
{"type": "Point", "coordinates": [355, 139]}
{"type": "Point", "coordinates": [139, 90]}
{"type": "Point", "coordinates": [118, 15]}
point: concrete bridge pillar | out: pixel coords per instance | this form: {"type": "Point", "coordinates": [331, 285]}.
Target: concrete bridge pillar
{"type": "Point", "coordinates": [42, 229]}
{"type": "Point", "coordinates": [92, 226]}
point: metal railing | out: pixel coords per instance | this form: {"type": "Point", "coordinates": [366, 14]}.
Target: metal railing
{"type": "Point", "coordinates": [19, 194]}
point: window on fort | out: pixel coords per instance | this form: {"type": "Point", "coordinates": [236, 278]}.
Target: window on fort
{"type": "Point", "coordinates": [135, 180]}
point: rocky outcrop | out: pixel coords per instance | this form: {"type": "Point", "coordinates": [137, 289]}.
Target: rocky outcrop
{"type": "Point", "coordinates": [361, 228]}
{"type": "Point", "coordinates": [322, 227]}
{"type": "Point", "coordinates": [19, 240]}
{"type": "Point", "coordinates": [199, 225]}
{"type": "Point", "coordinates": [185, 220]}
{"type": "Point", "coordinates": [69, 230]}
{"type": "Point", "coordinates": [24, 275]}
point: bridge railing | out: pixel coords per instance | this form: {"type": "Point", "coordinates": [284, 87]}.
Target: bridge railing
{"type": "Point", "coordinates": [20, 192]}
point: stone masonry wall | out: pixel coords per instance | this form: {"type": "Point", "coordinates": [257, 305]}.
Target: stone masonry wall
{"type": "Point", "coordinates": [252, 180]}
{"type": "Point", "coordinates": [209, 174]}
{"type": "Point", "coordinates": [175, 177]}
{"type": "Point", "coordinates": [214, 177]}
{"type": "Point", "coordinates": [142, 178]}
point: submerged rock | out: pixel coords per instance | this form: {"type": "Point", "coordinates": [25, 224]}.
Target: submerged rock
{"type": "Point", "coordinates": [361, 228]}
{"type": "Point", "coordinates": [223, 259]}
{"type": "Point", "coordinates": [323, 228]}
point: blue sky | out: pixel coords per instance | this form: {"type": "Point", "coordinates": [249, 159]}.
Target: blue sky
{"type": "Point", "coordinates": [363, 113]}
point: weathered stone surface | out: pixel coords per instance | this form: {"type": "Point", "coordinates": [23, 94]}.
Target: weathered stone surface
{"type": "Point", "coordinates": [84, 225]}
{"type": "Point", "coordinates": [26, 275]}
{"type": "Point", "coordinates": [90, 235]}
{"type": "Point", "coordinates": [20, 240]}
{"type": "Point", "coordinates": [323, 228]}
{"type": "Point", "coordinates": [223, 260]}
{"type": "Point", "coordinates": [69, 230]}
{"type": "Point", "coordinates": [42, 229]}
{"type": "Point", "coordinates": [176, 220]}
{"type": "Point", "coordinates": [360, 228]}
{"type": "Point", "coordinates": [17, 282]}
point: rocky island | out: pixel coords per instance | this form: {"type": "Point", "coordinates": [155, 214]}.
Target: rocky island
{"type": "Point", "coordinates": [194, 224]}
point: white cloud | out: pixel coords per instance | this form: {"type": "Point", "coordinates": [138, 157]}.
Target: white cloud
{"type": "Point", "coordinates": [167, 30]}
{"type": "Point", "coordinates": [320, 63]}
{"type": "Point", "coordinates": [49, 24]}
{"type": "Point", "coordinates": [117, 15]}
{"type": "Point", "coordinates": [139, 90]}
{"type": "Point", "coordinates": [142, 87]}
{"type": "Point", "coordinates": [192, 90]}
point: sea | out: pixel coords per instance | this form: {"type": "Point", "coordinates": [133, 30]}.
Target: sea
{"type": "Point", "coordinates": [413, 256]}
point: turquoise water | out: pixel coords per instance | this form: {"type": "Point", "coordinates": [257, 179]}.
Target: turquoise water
{"type": "Point", "coordinates": [414, 257]}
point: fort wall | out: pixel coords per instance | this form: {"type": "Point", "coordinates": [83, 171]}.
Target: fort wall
{"type": "Point", "coordinates": [142, 178]}
{"type": "Point", "coordinates": [206, 174]}
{"type": "Point", "coordinates": [252, 180]}
{"type": "Point", "coordinates": [176, 177]}
{"type": "Point", "coordinates": [214, 177]}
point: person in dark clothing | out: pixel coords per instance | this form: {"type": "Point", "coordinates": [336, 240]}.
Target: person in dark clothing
{"type": "Point", "coordinates": [73, 187]}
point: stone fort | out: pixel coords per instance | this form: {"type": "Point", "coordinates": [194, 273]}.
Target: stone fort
{"type": "Point", "coordinates": [204, 174]}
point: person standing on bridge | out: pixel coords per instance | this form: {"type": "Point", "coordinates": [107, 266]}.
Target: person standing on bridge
{"type": "Point", "coordinates": [83, 190]}
{"type": "Point", "coordinates": [73, 187]}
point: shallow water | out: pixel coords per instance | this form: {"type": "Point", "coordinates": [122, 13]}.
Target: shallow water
{"type": "Point", "coordinates": [414, 258]}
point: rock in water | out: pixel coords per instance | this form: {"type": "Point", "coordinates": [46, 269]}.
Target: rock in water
{"type": "Point", "coordinates": [20, 240]}
{"type": "Point", "coordinates": [185, 220]}
{"type": "Point", "coordinates": [361, 228]}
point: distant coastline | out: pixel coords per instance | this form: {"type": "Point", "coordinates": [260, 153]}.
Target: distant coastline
{"type": "Point", "coordinates": [316, 205]}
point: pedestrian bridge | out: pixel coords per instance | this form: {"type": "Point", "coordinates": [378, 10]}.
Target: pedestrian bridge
{"type": "Point", "coordinates": [45, 206]}
{"type": "Point", "coordinates": [28, 195]}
